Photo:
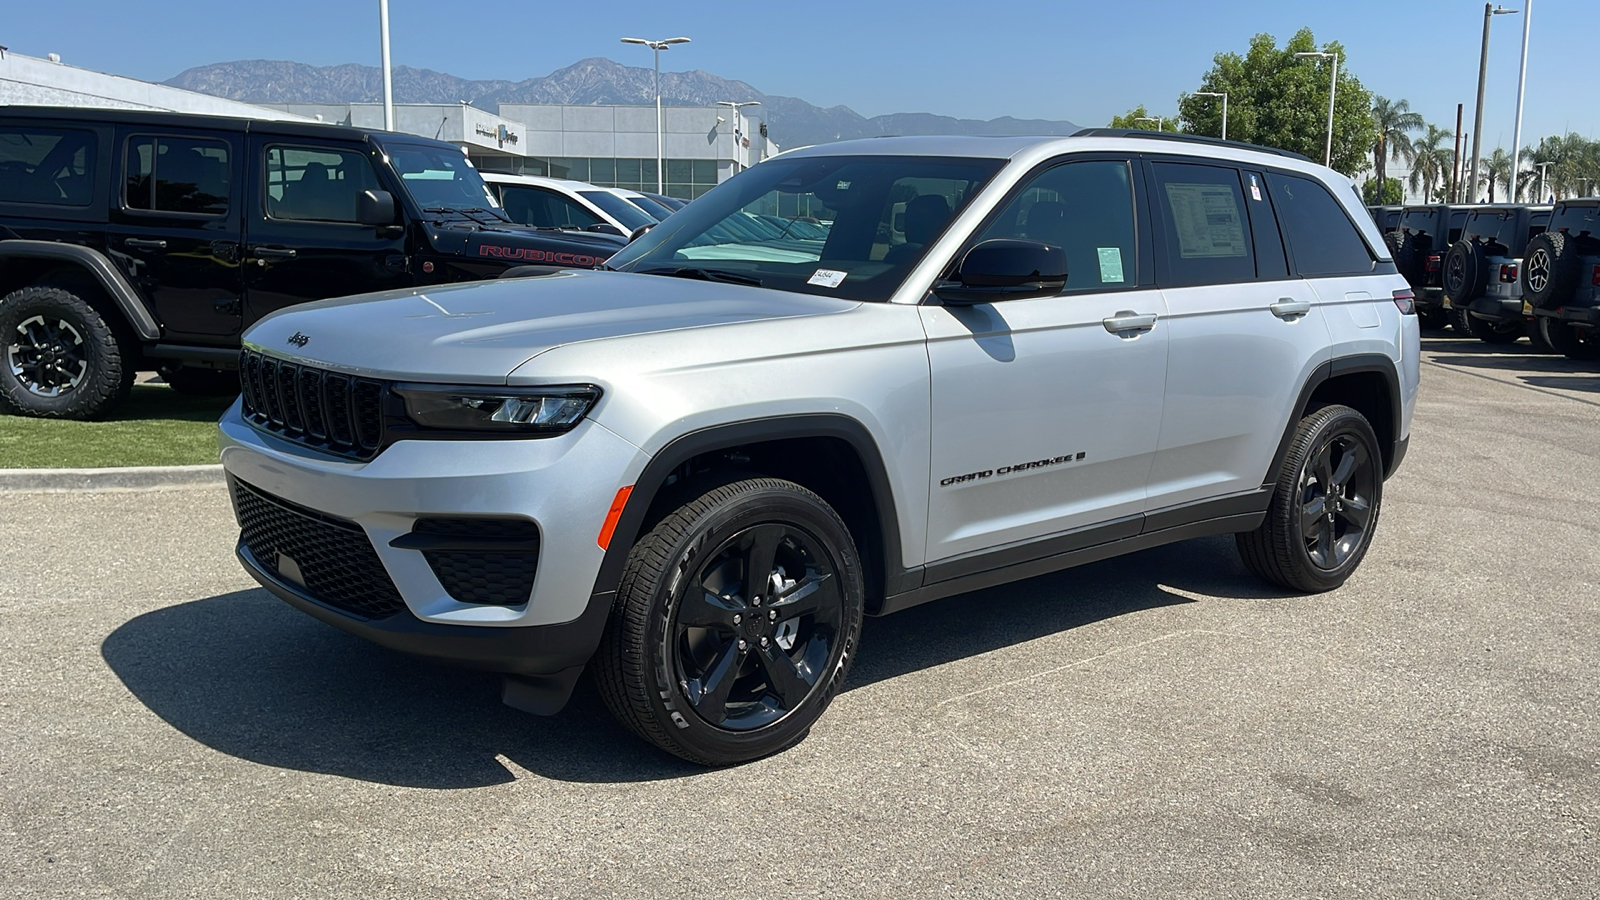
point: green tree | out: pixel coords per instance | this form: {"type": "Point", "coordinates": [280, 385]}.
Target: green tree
{"type": "Point", "coordinates": [1431, 159]}
{"type": "Point", "coordinates": [1279, 101]}
{"type": "Point", "coordinates": [1393, 193]}
{"type": "Point", "coordinates": [1496, 171]}
{"type": "Point", "coordinates": [1130, 119]}
{"type": "Point", "coordinates": [1573, 165]}
{"type": "Point", "coordinates": [1394, 121]}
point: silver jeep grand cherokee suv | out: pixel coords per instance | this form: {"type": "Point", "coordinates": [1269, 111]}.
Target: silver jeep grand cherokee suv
{"type": "Point", "coordinates": [854, 378]}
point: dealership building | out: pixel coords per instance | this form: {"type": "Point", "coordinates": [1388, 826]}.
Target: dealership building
{"type": "Point", "coordinates": [613, 146]}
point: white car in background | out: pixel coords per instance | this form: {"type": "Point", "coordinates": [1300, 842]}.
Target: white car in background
{"type": "Point", "coordinates": [560, 203]}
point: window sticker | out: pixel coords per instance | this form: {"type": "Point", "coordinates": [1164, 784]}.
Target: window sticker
{"type": "Point", "coordinates": [1110, 265]}
{"type": "Point", "coordinates": [828, 278]}
{"type": "Point", "coordinates": [1208, 221]}
{"type": "Point", "coordinates": [1255, 188]}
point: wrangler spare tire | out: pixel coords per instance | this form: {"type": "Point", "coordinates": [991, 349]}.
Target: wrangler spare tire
{"type": "Point", "coordinates": [1465, 272]}
{"type": "Point", "coordinates": [1550, 270]}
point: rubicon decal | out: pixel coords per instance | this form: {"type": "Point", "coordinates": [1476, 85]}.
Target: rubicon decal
{"type": "Point", "coordinates": [531, 255]}
{"type": "Point", "coordinates": [1013, 469]}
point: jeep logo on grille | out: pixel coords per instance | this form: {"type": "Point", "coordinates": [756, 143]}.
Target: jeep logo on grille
{"type": "Point", "coordinates": [299, 340]}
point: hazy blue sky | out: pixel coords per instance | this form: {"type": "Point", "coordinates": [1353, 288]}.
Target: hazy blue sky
{"type": "Point", "coordinates": [1026, 58]}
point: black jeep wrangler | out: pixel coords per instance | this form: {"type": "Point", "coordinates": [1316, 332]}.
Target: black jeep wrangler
{"type": "Point", "coordinates": [136, 240]}
{"type": "Point", "coordinates": [1561, 279]}
{"type": "Point", "coordinates": [1418, 244]}
{"type": "Point", "coordinates": [1482, 280]}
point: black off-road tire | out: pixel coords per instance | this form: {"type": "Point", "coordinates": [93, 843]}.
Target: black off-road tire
{"type": "Point", "coordinates": [1401, 252]}
{"type": "Point", "coordinates": [640, 665]}
{"type": "Point", "coordinates": [1549, 270]}
{"type": "Point", "coordinates": [1465, 274]}
{"type": "Point", "coordinates": [1487, 331]}
{"type": "Point", "coordinates": [1569, 340]}
{"type": "Point", "coordinates": [1536, 338]}
{"type": "Point", "coordinates": [98, 341]}
{"type": "Point", "coordinates": [1280, 550]}
{"type": "Point", "coordinates": [196, 381]}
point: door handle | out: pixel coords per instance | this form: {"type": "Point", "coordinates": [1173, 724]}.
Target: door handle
{"type": "Point", "coordinates": [1289, 309]}
{"type": "Point", "coordinates": [1128, 323]}
{"type": "Point", "coordinates": [145, 244]}
{"type": "Point", "coordinates": [263, 254]}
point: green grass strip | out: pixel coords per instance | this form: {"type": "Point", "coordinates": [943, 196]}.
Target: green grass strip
{"type": "Point", "coordinates": [156, 427]}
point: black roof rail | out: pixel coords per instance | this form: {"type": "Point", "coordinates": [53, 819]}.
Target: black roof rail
{"type": "Point", "coordinates": [1185, 138]}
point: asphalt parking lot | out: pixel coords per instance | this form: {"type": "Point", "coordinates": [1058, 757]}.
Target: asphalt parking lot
{"type": "Point", "coordinates": [1156, 725]}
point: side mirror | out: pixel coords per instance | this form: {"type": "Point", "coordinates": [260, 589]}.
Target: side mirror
{"type": "Point", "coordinates": [1005, 269]}
{"type": "Point", "coordinates": [639, 232]}
{"type": "Point", "coordinates": [375, 208]}
{"type": "Point", "coordinates": [606, 228]}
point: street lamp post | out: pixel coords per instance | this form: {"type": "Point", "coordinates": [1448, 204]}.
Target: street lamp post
{"type": "Point", "coordinates": [388, 81]}
{"type": "Point", "coordinates": [1224, 96]}
{"type": "Point", "coordinates": [736, 106]}
{"type": "Point", "coordinates": [1156, 119]}
{"type": "Point", "coordinates": [1522, 84]}
{"type": "Point", "coordinates": [1541, 167]}
{"type": "Point", "coordinates": [1333, 86]}
{"type": "Point", "coordinates": [661, 149]}
{"type": "Point", "coordinates": [1489, 12]}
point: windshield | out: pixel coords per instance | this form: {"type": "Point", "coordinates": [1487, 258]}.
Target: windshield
{"type": "Point", "coordinates": [440, 178]}
{"type": "Point", "coordinates": [841, 226]}
{"type": "Point", "coordinates": [655, 208]}
{"type": "Point", "coordinates": [631, 217]}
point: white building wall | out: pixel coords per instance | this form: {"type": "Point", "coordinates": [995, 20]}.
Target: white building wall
{"type": "Point", "coordinates": [26, 80]}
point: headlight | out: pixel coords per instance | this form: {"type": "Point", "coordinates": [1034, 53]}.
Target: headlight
{"type": "Point", "coordinates": [531, 410]}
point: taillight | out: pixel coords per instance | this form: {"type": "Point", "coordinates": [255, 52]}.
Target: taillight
{"type": "Point", "coordinates": [1508, 273]}
{"type": "Point", "coordinates": [1407, 301]}
{"type": "Point", "coordinates": [1433, 263]}
{"type": "Point", "coordinates": [1594, 279]}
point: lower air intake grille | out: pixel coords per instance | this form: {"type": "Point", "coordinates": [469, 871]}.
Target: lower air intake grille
{"type": "Point", "coordinates": [334, 560]}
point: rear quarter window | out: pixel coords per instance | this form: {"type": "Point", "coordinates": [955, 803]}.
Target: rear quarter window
{"type": "Point", "coordinates": [1320, 235]}
{"type": "Point", "coordinates": [53, 166]}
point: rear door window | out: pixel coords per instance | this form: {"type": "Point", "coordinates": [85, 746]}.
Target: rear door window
{"type": "Point", "coordinates": [177, 175]}
{"type": "Point", "coordinates": [1321, 237]}
{"type": "Point", "coordinates": [1203, 220]}
{"type": "Point", "coordinates": [54, 166]}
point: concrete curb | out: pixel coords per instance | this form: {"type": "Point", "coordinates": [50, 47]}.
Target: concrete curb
{"type": "Point", "coordinates": [130, 478]}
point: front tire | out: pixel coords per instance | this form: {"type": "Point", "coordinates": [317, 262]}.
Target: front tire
{"type": "Point", "coordinates": [59, 356]}
{"type": "Point", "coordinates": [1324, 507]}
{"type": "Point", "coordinates": [735, 622]}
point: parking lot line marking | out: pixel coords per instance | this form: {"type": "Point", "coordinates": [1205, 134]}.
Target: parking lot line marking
{"type": "Point", "coordinates": [1075, 663]}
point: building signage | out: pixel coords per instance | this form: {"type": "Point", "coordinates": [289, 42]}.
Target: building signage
{"type": "Point", "coordinates": [500, 134]}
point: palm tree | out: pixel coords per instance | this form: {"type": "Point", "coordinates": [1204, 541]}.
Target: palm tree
{"type": "Point", "coordinates": [1496, 171]}
{"type": "Point", "coordinates": [1395, 121]}
{"type": "Point", "coordinates": [1430, 160]}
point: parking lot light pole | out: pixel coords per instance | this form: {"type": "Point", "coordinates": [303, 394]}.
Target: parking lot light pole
{"type": "Point", "coordinates": [1539, 198]}
{"type": "Point", "coordinates": [1522, 85]}
{"type": "Point", "coordinates": [1156, 119]}
{"type": "Point", "coordinates": [661, 150]}
{"type": "Point", "coordinates": [1224, 96]}
{"type": "Point", "coordinates": [388, 80]}
{"type": "Point", "coordinates": [1333, 86]}
{"type": "Point", "coordinates": [1489, 12]}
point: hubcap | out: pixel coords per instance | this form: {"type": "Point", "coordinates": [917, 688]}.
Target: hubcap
{"type": "Point", "coordinates": [1336, 490]}
{"type": "Point", "coordinates": [1538, 270]}
{"type": "Point", "coordinates": [47, 359]}
{"type": "Point", "coordinates": [757, 627]}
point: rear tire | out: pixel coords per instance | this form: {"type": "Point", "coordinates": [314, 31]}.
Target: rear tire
{"type": "Point", "coordinates": [1487, 331]}
{"type": "Point", "coordinates": [714, 665]}
{"type": "Point", "coordinates": [1433, 319]}
{"type": "Point", "coordinates": [1571, 341]}
{"type": "Point", "coordinates": [60, 358]}
{"type": "Point", "coordinates": [1324, 507]}
{"type": "Point", "coordinates": [1536, 337]}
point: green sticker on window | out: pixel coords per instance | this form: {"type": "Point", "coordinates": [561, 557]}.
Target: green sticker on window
{"type": "Point", "coordinates": [1110, 265]}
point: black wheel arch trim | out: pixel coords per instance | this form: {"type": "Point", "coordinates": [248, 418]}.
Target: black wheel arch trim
{"type": "Point", "coordinates": [106, 274]}
{"type": "Point", "coordinates": [681, 449]}
{"type": "Point", "coordinates": [1347, 365]}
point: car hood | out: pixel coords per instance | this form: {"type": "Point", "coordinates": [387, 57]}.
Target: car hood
{"type": "Point", "coordinates": [480, 332]}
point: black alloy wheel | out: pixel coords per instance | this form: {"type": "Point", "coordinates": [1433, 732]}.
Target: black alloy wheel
{"type": "Point", "coordinates": [47, 356]}
{"type": "Point", "coordinates": [735, 622]}
{"type": "Point", "coordinates": [1325, 503]}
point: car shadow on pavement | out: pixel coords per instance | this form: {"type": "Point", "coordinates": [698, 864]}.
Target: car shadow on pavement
{"type": "Point", "coordinates": [1590, 383]}
{"type": "Point", "coordinates": [248, 676]}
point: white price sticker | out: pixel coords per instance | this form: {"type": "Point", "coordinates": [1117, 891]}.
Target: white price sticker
{"type": "Point", "coordinates": [828, 278]}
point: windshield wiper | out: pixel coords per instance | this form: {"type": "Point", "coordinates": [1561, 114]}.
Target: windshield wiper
{"type": "Point", "coordinates": [705, 275]}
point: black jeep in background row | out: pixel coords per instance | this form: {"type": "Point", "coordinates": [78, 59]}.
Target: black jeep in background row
{"type": "Point", "coordinates": [135, 240]}
{"type": "Point", "coordinates": [1418, 242]}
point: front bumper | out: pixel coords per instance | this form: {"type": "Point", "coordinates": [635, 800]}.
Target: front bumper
{"type": "Point", "coordinates": [565, 484]}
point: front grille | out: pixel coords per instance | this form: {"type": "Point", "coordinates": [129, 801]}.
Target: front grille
{"type": "Point", "coordinates": [336, 562]}
{"type": "Point", "coordinates": [486, 574]}
{"type": "Point", "coordinates": [328, 411]}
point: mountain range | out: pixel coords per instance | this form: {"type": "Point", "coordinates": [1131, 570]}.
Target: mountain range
{"type": "Point", "coordinates": [596, 81]}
